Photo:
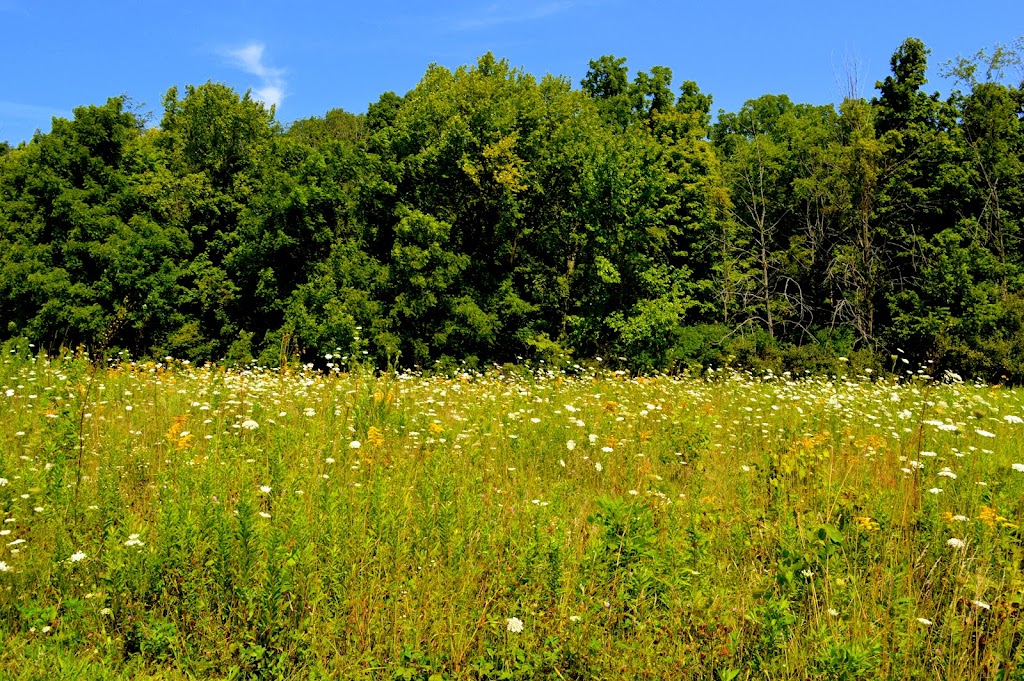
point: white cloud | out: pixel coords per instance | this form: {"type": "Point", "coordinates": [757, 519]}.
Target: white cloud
{"type": "Point", "coordinates": [249, 58]}
{"type": "Point", "coordinates": [506, 13]}
{"type": "Point", "coordinates": [22, 111]}
{"type": "Point", "coordinates": [19, 120]}
{"type": "Point", "coordinates": [271, 95]}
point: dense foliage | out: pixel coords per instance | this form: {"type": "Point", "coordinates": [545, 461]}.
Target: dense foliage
{"type": "Point", "coordinates": [487, 215]}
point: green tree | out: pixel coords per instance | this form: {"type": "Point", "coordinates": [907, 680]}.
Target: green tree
{"type": "Point", "coordinates": [769, 150]}
{"type": "Point", "coordinates": [607, 82]}
{"type": "Point", "coordinates": [991, 131]}
{"type": "Point", "coordinates": [219, 145]}
{"type": "Point", "coordinates": [90, 244]}
{"type": "Point", "coordinates": [910, 207]}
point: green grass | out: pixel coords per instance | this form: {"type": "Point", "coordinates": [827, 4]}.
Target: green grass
{"type": "Point", "coordinates": [726, 528]}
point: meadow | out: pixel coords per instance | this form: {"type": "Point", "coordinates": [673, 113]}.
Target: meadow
{"type": "Point", "coordinates": [162, 520]}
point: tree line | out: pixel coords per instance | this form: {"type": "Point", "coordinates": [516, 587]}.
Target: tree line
{"type": "Point", "coordinates": [488, 216]}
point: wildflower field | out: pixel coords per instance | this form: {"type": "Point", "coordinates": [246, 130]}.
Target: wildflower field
{"type": "Point", "coordinates": [162, 520]}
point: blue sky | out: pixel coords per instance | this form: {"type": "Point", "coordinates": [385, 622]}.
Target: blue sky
{"type": "Point", "coordinates": [312, 57]}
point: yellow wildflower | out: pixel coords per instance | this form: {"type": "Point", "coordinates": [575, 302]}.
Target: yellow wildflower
{"type": "Point", "coordinates": [990, 516]}
{"type": "Point", "coordinates": [177, 435]}
{"type": "Point", "coordinates": [865, 523]}
{"type": "Point", "coordinates": [375, 437]}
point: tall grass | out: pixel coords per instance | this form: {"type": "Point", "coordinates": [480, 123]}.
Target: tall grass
{"type": "Point", "coordinates": [297, 524]}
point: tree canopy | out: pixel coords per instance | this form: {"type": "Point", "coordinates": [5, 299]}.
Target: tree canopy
{"type": "Point", "coordinates": [487, 216]}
